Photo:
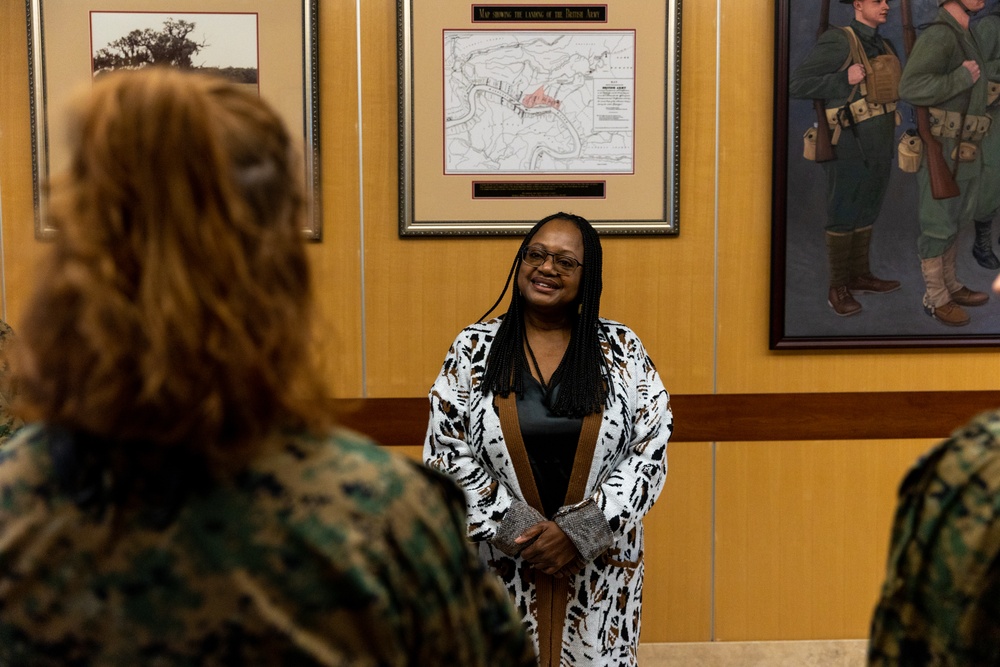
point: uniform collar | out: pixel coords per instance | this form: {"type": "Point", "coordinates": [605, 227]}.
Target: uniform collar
{"type": "Point", "coordinates": [863, 31]}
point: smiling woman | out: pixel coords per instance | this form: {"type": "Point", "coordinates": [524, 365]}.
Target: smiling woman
{"type": "Point", "coordinates": [555, 424]}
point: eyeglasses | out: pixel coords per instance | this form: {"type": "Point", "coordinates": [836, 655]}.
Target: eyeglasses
{"type": "Point", "coordinates": [536, 256]}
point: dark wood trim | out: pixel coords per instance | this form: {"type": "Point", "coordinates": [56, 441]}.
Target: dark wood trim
{"type": "Point", "coordinates": [738, 417]}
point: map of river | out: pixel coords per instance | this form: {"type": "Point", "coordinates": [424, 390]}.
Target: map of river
{"type": "Point", "coordinates": [536, 102]}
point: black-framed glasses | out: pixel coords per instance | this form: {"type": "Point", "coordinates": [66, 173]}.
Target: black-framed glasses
{"type": "Point", "coordinates": [563, 264]}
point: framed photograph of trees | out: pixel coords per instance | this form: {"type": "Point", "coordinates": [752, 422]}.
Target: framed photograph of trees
{"type": "Point", "coordinates": [269, 46]}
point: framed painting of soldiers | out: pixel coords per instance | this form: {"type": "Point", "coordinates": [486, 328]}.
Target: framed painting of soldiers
{"type": "Point", "coordinates": [509, 109]}
{"type": "Point", "coordinates": [270, 46]}
{"type": "Point", "coordinates": [885, 176]}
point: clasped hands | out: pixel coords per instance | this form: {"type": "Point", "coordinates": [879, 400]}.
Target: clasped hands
{"type": "Point", "coordinates": [550, 550]}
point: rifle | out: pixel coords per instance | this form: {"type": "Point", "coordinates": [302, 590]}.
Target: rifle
{"type": "Point", "coordinates": [824, 141]}
{"type": "Point", "coordinates": [943, 183]}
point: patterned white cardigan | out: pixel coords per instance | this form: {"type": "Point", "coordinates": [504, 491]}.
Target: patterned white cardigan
{"type": "Point", "coordinates": [599, 608]}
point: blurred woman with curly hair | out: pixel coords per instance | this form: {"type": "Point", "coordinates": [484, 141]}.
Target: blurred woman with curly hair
{"type": "Point", "coordinates": [180, 495]}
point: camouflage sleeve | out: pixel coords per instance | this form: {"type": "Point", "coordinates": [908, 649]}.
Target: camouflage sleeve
{"type": "Point", "coordinates": [461, 613]}
{"type": "Point", "coordinates": [940, 603]}
{"type": "Point", "coordinates": [8, 423]}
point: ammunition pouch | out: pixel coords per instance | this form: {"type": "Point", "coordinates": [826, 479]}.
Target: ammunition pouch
{"type": "Point", "coordinates": [809, 144]}
{"type": "Point", "coordinates": [861, 109]}
{"type": "Point", "coordinates": [946, 124]}
{"type": "Point", "coordinates": [992, 93]}
{"type": "Point", "coordinates": [909, 151]}
{"type": "Point", "coordinates": [965, 151]}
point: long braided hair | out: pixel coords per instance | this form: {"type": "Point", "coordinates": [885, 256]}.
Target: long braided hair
{"type": "Point", "coordinates": [582, 373]}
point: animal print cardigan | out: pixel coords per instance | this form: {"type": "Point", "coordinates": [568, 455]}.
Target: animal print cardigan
{"type": "Point", "coordinates": [591, 618]}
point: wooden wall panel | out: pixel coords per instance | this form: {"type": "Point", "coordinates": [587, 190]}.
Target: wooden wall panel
{"type": "Point", "coordinates": [427, 289]}
{"type": "Point", "coordinates": [677, 599]}
{"type": "Point", "coordinates": [20, 251]}
{"type": "Point", "coordinates": [419, 291]}
{"type": "Point", "coordinates": [664, 288]}
{"type": "Point", "coordinates": [802, 531]}
{"type": "Point", "coordinates": [336, 261]}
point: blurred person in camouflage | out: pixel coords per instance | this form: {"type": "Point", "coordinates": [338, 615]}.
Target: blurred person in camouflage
{"type": "Point", "coordinates": [179, 495]}
{"type": "Point", "coordinates": [8, 423]}
{"type": "Point", "coordinates": [940, 603]}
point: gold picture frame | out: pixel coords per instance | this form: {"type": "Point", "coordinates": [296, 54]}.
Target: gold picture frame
{"type": "Point", "coordinates": [65, 38]}
{"type": "Point", "coordinates": [509, 112]}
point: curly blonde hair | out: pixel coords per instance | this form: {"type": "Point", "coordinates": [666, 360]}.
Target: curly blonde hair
{"type": "Point", "coordinates": [175, 307]}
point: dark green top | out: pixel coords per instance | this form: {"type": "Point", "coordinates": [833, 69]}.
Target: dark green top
{"type": "Point", "coordinates": [822, 76]}
{"type": "Point", "coordinates": [934, 75]}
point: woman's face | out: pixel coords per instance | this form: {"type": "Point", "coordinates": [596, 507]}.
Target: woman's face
{"type": "Point", "coordinates": [545, 290]}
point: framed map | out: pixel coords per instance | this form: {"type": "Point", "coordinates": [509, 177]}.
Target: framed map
{"type": "Point", "coordinates": [511, 112]}
{"type": "Point", "coordinates": [267, 46]}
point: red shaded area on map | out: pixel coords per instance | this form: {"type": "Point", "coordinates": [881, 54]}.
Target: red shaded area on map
{"type": "Point", "coordinates": [539, 99]}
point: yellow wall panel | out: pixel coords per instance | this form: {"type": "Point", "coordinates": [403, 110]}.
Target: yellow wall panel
{"type": "Point", "coordinates": [20, 251]}
{"type": "Point", "coordinates": [802, 531]}
{"type": "Point", "coordinates": [676, 599]}
{"type": "Point", "coordinates": [336, 262]}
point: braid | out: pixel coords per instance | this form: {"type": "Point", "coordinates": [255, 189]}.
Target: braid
{"type": "Point", "coordinates": [582, 374]}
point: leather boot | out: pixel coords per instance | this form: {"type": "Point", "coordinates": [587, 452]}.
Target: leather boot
{"type": "Point", "coordinates": [982, 248]}
{"type": "Point", "coordinates": [937, 300]}
{"type": "Point", "coordinates": [838, 250]}
{"type": "Point", "coordinates": [861, 277]}
{"type": "Point", "coordinates": [960, 294]}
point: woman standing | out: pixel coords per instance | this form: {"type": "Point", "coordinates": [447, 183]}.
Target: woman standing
{"type": "Point", "coordinates": [555, 423]}
{"type": "Point", "coordinates": [180, 496]}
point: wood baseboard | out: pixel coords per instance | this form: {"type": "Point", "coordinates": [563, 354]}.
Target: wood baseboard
{"type": "Point", "coordinates": [738, 417]}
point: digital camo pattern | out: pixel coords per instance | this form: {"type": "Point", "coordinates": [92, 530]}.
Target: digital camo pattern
{"type": "Point", "coordinates": [465, 441]}
{"type": "Point", "coordinates": [8, 424]}
{"type": "Point", "coordinates": [323, 552]}
{"type": "Point", "coordinates": [940, 603]}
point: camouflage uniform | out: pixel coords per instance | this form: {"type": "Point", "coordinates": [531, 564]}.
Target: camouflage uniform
{"type": "Point", "coordinates": [8, 424]}
{"type": "Point", "coordinates": [321, 552]}
{"type": "Point", "coordinates": [940, 604]}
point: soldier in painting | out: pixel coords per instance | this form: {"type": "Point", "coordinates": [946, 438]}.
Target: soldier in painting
{"type": "Point", "coordinates": [836, 71]}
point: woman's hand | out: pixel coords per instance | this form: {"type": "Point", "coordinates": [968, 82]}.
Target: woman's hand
{"type": "Point", "coordinates": [552, 551]}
